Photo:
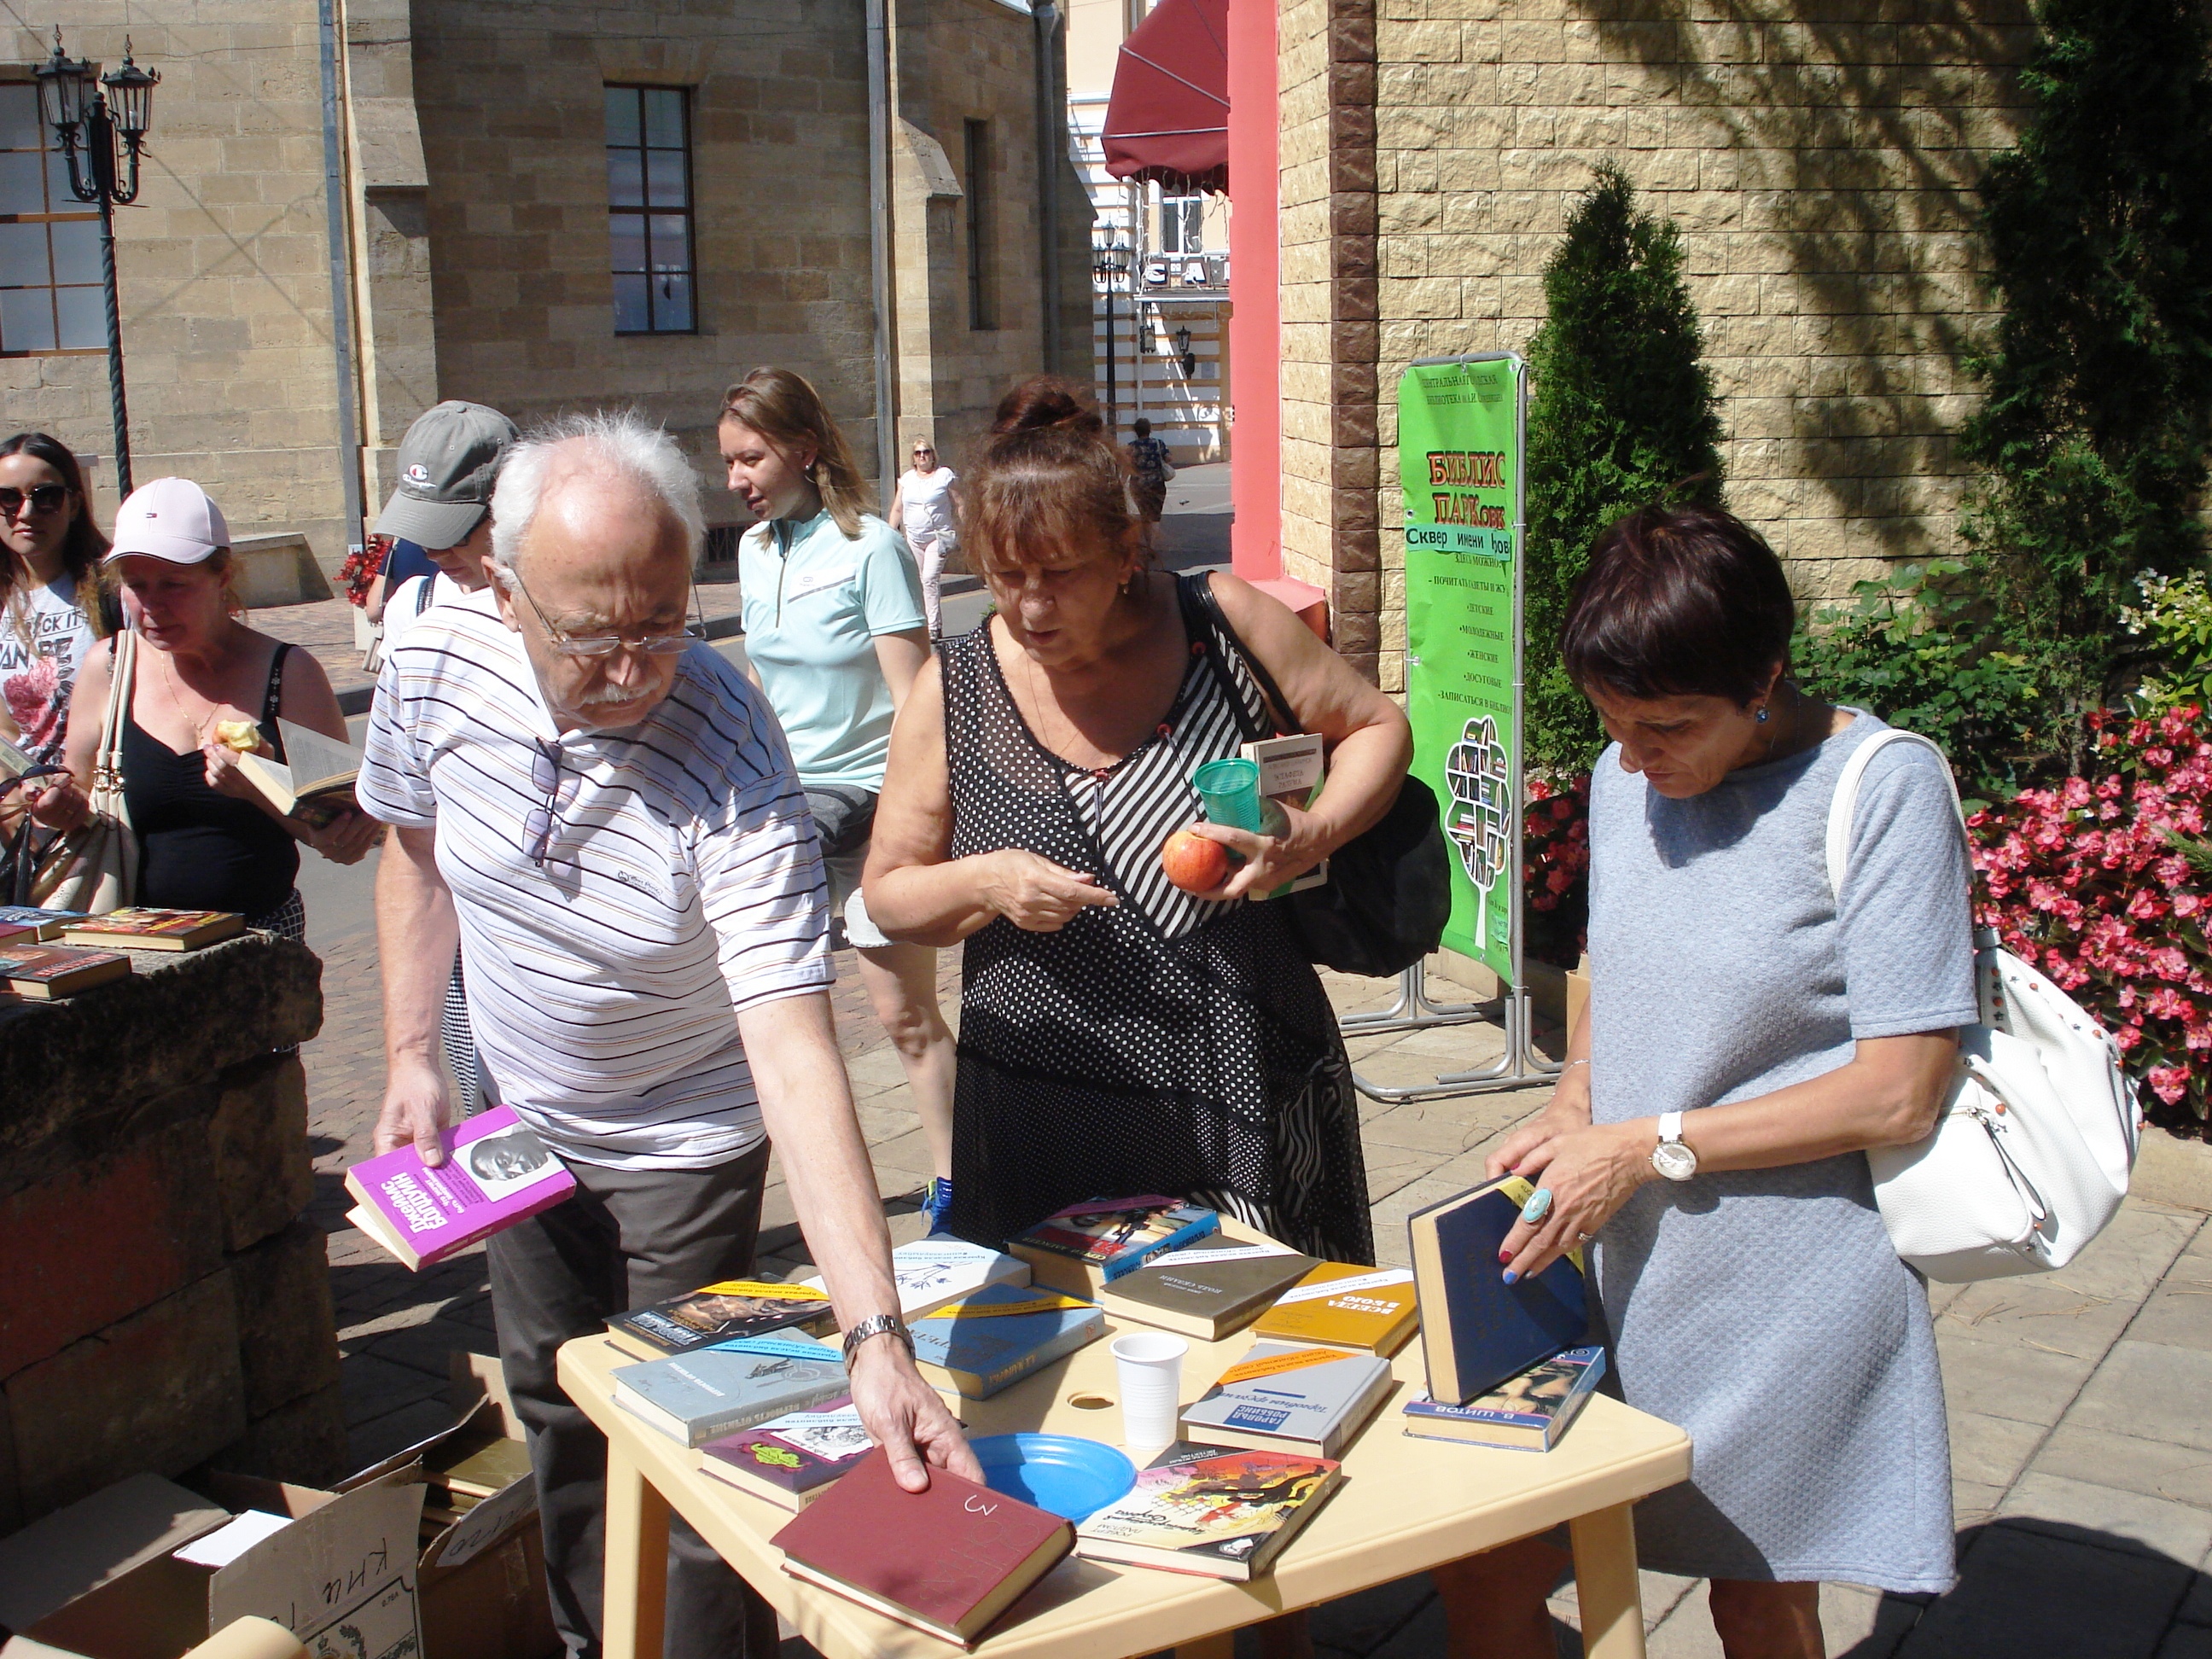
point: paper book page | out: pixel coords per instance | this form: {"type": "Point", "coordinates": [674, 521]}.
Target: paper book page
{"type": "Point", "coordinates": [315, 760]}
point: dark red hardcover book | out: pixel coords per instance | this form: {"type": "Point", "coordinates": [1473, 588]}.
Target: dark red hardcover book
{"type": "Point", "coordinates": [948, 1561]}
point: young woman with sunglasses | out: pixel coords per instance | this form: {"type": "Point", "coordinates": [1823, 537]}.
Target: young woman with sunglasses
{"type": "Point", "coordinates": [50, 549]}
{"type": "Point", "coordinates": [834, 635]}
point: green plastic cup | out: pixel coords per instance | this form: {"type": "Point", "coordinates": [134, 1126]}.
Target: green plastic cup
{"type": "Point", "coordinates": [1230, 789]}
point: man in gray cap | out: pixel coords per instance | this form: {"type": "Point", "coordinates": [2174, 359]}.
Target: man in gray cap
{"type": "Point", "coordinates": [448, 463]}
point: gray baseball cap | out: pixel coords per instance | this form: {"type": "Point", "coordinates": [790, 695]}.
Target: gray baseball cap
{"type": "Point", "coordinates": [448, 462]}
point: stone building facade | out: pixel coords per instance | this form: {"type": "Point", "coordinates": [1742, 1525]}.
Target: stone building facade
{"type": "Point", "coordinates": [478, 190]}
{"type": "Point", "coordinates": [1820, 160]}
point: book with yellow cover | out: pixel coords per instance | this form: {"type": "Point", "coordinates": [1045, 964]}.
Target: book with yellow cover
{"type": "Point", "coordinates": [1366, 1309]}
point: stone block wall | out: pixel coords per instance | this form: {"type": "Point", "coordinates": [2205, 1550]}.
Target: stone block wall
{"type": "Point", "coordinates": [166, 1305]}
{"type": "Point", "coordinates": [222, 269]}
{"type": "Point", "coordinates": [1820, 158]}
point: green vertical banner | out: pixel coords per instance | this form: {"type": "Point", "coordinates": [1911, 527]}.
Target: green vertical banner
{"type": "Point", "coordinates": [1460, 439]}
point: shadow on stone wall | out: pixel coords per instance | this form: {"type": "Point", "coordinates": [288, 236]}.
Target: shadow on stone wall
{"type": "Point", "coordinates": [1865, 172]}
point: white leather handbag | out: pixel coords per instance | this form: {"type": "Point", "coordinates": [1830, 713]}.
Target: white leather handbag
{"type": "Point", "coordinates": [2033, 1153]}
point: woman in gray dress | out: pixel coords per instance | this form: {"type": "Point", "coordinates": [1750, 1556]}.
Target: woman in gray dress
{"type": "Point", "coordinates": [1748, 1036]}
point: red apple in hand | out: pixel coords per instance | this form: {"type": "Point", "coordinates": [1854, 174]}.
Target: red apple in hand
{"type": "Point", "coordinates": [1196, 863]}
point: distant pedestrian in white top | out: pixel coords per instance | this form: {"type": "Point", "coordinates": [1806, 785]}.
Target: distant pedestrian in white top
{"type": "Point", "coordinates": [924, 510]}
{"type": "Point", "coordinates": [603, 813]}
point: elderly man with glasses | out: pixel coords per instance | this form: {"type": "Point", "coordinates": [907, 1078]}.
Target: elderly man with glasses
{"type": "Point", "coordinates": [604, 812]}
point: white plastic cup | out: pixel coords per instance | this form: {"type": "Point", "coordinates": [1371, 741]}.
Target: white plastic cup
{"type": "Point", "coordinates": [1150, 1365]}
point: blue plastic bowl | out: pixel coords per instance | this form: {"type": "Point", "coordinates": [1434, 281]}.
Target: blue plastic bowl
{"type": "Point", "coordinates": [1059, 1473]}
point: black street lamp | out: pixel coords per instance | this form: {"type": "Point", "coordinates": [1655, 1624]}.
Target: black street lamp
{"type": "Point", "coordinates": [1186, 358]}
{"type": "Point", "coordinates": [85, 118]}
{"type": "Point", "coordinates": [1110, 260]}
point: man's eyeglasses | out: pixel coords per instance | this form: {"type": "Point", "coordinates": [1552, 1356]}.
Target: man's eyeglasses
{"type": "Point", "coordinates": [545, 777]}
{"type": "Point", "coordinates": [605, 645]}
{"type": "Point", "coordinates": [43, 498]}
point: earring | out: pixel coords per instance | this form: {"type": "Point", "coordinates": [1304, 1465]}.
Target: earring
{"type": "Point", "coordinates": [1761, 717]}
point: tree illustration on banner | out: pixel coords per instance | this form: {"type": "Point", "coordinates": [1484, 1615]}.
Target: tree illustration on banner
{"type": "Point", "coordinates": [1481, 821]}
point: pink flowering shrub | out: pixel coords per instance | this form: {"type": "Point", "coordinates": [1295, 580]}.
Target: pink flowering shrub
{"type": "Point", "coordinates": [1554, 868]}
{"type": "Point", "coordinates": [2104, 883]}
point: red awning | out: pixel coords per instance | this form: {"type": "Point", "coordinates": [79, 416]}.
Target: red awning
{"type": "Point", "coordinates": [1168, 120]}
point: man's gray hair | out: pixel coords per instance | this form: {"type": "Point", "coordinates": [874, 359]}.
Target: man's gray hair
{"type": "Point", "coordinates": [620, 443]}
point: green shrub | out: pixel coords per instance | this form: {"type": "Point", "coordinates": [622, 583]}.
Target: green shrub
{"type": "Point", "coordinates": [2095, 430]}
{"type": "Point", "coordinates": [1916, 646]}
{"type": "Point", "coordinates": [1622, 414]}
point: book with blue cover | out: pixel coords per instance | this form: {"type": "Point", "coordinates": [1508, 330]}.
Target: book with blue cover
{"type": "Point", "coordinates": [1527, 1412]}
{"type": "Point", "coordinates": [701, 1397]}
{"type": "Point", "coordinates": [1476, 1329]}
{"type": "Point", "coordinates": [991, 1341]}
{"type": "Point", "coordinates": [1289, 1396]}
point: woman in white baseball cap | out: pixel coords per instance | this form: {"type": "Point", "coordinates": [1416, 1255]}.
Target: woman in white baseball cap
{"type": "Point", "coordinates": [208, 839]}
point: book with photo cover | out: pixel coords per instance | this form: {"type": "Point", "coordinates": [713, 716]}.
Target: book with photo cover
{"type": "Point", "coordinates": [948, 1561]}
{"type": "Point", "coordinates": [1214, 1511]}
{"type": "Point", "coordinates": [1527, 1412]}
{"type": "Point", "coordinates": [45, 973]}
{"type": "Point", "coordinates": [790, 1460]}
{"type": "Point", "coordinates": [314, 784]}
{"type": "Point", "coordinates": [1086, 1245]}
{"type": "Point", "coordinates": [138, 928]}
{"type": "Point", "coordinates": [496, 1172]}
{"type": "Point", "coordinates": [722, 1312]}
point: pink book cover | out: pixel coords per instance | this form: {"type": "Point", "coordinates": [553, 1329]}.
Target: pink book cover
{"type": "Point", "coordinates": [496, 1172]}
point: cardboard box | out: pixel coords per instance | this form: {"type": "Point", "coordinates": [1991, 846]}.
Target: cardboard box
{"type": "Point", "coordinates": [480, 1582]}
{"type": "Point", "coordinates": [340, 1576]}
{"type": "Point", "coordinates": [355, 1574]}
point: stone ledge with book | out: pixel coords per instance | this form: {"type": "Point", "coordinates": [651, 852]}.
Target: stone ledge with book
{"type": "Point", "coordinates": [168, 1307]}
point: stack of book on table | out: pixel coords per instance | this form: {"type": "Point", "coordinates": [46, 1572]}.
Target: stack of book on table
{"type": "Point", "coordinates": [790, 1460]}
{"type": "Point", "coordinates": [720, 1312]}
{"type": "Point", "coordinates": [991, 1341]}
{"type": "Point", "coordinates": [47, 973]}
{"type": "Point", "coordinates": [1086, 1246]}
{"type": "Point", "coordinates": [1209, 1510]}
{"type": "Point", "coordinates": [930, 1272]}
{"type": "Point", "coordinates": [140, 929]}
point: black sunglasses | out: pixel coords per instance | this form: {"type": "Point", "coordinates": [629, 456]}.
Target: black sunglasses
{"type": "Point", "coordinates": [22, 778]}
{"type": "Point", "coordinates": [44, 498]}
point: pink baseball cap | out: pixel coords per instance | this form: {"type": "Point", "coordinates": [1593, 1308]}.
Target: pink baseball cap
{"type": "Point", "coordinates": [169, 518]}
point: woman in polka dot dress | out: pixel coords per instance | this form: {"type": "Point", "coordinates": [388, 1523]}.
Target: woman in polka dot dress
{"type": "Point", "coordinates": [1118, 1035]}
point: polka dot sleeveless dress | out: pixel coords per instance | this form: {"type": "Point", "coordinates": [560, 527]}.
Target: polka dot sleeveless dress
{"type": "Point", "coordinates": [1166, 1044]}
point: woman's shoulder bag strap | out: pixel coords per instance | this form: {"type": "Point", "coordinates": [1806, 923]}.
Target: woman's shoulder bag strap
{"type": "Point", "coordinates": [1846, 801]}
{"type": "Point", "coordinates": [1203, 615]}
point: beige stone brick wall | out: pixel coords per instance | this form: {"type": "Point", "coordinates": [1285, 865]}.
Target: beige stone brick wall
{"type": "Point", "coordinates": [509, 97]}
{"type": "Point", "coordinates": [1820, 160]}
{"type": "Point", "coordinates": [223, 270]}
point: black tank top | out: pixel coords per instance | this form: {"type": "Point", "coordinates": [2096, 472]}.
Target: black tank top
{"type": "Point", "coordinates": [199, 849]}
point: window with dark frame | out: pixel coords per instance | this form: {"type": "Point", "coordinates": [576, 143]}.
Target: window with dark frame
{"type": "Point", "coordinates": [649, 209]}
{"type": "Point", "coordinates": [51, 294]}
{"type": "Point", "coordinates": [1183, 224]}
{"type": "Point", "coordinates": [982, 272]}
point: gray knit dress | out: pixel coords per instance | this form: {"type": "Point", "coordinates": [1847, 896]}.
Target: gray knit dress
{"type": "Point", "coordinates": [1764, 1311]}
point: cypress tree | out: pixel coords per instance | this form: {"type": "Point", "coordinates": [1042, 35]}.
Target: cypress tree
{"type": "Point", "coordinates": [2094, 432]}
{"type": "Point", "coordinates": [1622, 414]}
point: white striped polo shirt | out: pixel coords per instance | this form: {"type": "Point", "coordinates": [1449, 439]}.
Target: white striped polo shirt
{"type": "Point", "coordinates": [681, 883]}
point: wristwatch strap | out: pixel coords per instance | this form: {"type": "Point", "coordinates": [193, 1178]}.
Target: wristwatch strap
{"type": "Point", "coordinates": [1670, 1127]}
{"type": "Point", "coordinates": [876, 1325]}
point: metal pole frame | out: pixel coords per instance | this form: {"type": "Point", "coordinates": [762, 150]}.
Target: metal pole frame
{"type": "Point", "coordinates": [1521, 1063]}
{"type": "Point", "coordinates": [118, 408]}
